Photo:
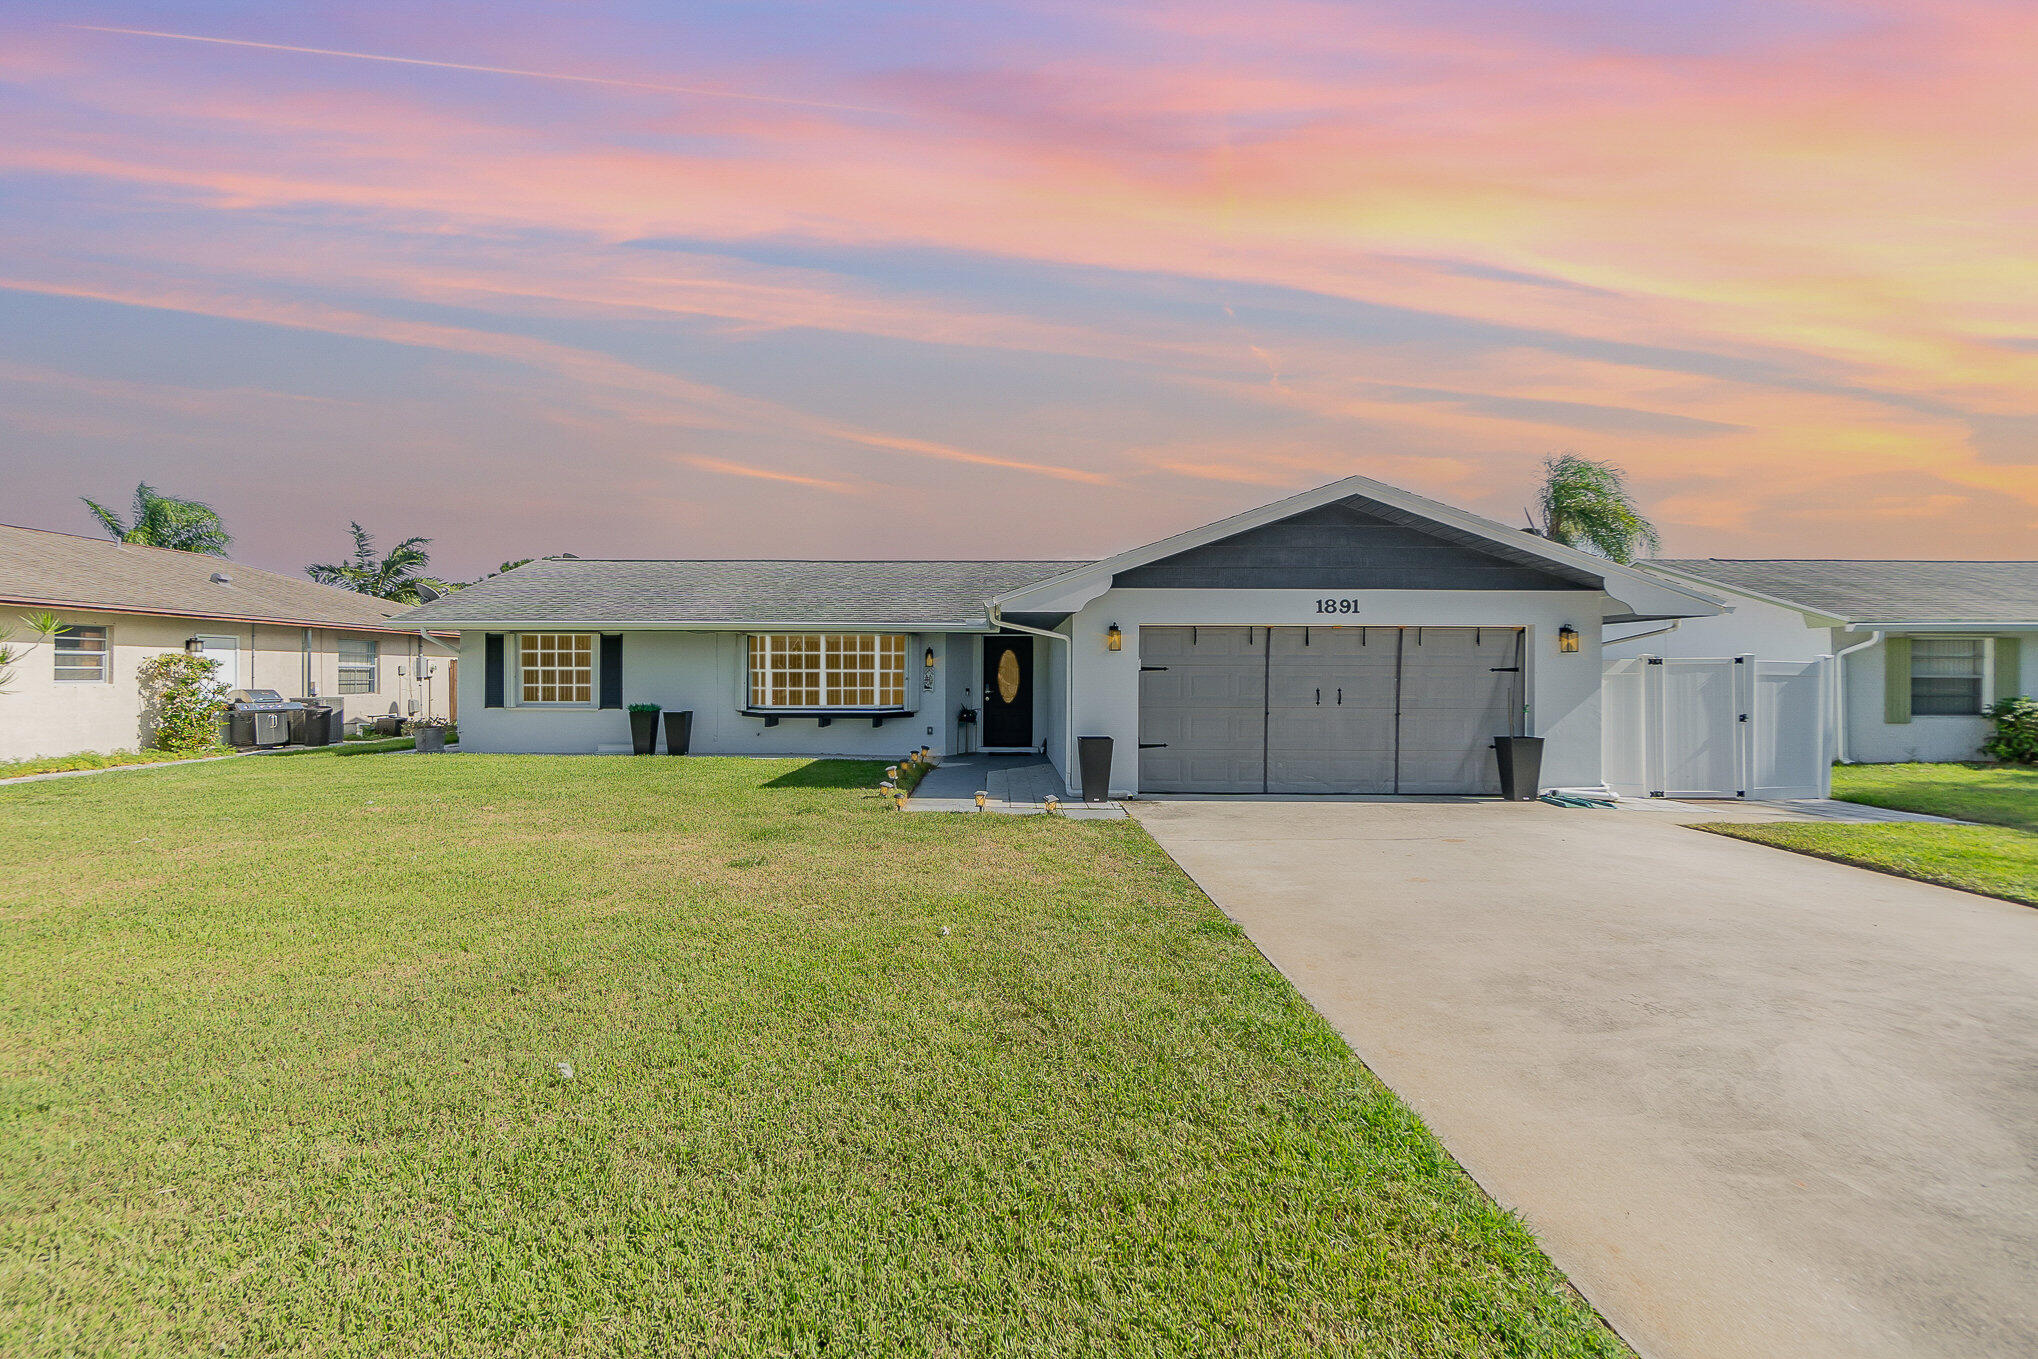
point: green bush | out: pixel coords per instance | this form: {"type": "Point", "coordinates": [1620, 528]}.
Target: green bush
{"type": "Point", "coordinates": [2015, 739]}
{"type": "Point", "coordinates": [183, 700]}
{"type": "Point", "coordinates": [645, 708]}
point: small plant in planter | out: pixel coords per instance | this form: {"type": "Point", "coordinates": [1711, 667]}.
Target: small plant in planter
{"type": "Point", "coordinates": [644, 727]}
{"type": "Point", "coordinates": [430, 733]}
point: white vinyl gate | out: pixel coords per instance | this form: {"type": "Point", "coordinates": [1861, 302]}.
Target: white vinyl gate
{"type": "Point", "coordinates": [1726, 727]}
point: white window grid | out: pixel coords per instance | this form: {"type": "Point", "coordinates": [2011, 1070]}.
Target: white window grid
{"type": "Point", "coordinates": [832, 670]}
{"type": "Point", "coordinates": [81, 654]}
{"type": "Point", "coordinates": [555, 668]}
{"type": "Point", "coordinates": [360, 657]}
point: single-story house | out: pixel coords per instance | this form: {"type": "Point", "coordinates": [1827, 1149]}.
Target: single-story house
{"type": "Point", "coordinates": [1356, 638]}
{"type": "Point", "coordinates": [120, 604]}
{"type": "Point", "coordinates": [1922, 648]}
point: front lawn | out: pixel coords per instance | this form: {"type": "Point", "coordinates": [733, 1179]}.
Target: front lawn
{"type": "Point", "coordinates": [1989, 859]}
{"type": "Point", "coordinates": [2002, 795]}
{"type": "Point", "coordinates": [524, 1055]}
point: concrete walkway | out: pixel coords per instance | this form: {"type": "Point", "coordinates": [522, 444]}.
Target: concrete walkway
{"type": "Point", "coordinates": [1014, 785]}
{"type": "Point", "coordinates": [1754, 1103]}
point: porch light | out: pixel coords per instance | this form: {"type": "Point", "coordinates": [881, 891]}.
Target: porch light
{"type": "Point", "coordinates": [1567, 638]}
{"type": "Point", "coordinates": [929, 661]}
{"type": "Point", "coordinates": [193, 646]}
{"type": "Point", "coordinates": [1114, 640]}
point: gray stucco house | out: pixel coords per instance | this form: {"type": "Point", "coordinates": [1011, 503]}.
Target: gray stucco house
{"type": "Point", "coordinates": [1355, 638]}
{"type": "Point", "coordinates": [1921, 648]}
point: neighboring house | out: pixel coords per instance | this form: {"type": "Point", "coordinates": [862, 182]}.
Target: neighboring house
{"type": "Point", "coordinates": [121, 603]}
{"type": "Point", "coordinates": [1353, 639]}
{"type": "Point", "coordinates": [1924, 647]}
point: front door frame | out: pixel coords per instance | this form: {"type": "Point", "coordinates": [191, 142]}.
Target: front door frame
{"type": "Point", "coordinates": [984, 693]}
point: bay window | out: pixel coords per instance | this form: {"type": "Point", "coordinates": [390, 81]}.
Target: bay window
{"type": "Point", "coordinates": [828, 670]}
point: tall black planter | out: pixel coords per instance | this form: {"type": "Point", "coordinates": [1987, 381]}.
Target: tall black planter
{"type": "Point", "coordinates": [678, 731]}
{"type": "Point", "coordinates": [1093, 756]}
{"type": "Point", "coordinates": [644, 732]}
{"type": "Point", "coordinates": [1521, 766]}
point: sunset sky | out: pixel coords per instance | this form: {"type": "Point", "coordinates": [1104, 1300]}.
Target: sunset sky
{"type": "Point", "coordinates": [1032, 280]}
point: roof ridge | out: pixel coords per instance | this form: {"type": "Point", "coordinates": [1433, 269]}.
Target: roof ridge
{"type": "Point", "coordinates": [1860, 561]}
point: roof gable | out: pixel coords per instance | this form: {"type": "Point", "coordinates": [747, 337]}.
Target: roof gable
{"type": "Point", "coordinates": [1353, 544]}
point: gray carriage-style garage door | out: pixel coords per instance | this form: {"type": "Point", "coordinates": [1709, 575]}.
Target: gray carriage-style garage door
{"type": "Point", "coordinates": [1325, 710]}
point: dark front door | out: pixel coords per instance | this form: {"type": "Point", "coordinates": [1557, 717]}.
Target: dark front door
{"type": "Point", "coordinates": [1008, 692]}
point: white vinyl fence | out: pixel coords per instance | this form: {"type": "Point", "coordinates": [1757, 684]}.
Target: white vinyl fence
{"type": "Point", "coordinates": [1726, 727]}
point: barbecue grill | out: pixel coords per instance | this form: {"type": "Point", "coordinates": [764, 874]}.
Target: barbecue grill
{"type": "Point", "coordinates": [259, 717]}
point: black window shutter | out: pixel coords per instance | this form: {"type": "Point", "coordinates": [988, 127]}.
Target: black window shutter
{"type": "Point", "coordinates": [491, 671]}
{"type": "Point", "coordinates": [611, 670]}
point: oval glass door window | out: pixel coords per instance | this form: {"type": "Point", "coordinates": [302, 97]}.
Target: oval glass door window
{"type": "Point", "coordinates": [1008, 677]}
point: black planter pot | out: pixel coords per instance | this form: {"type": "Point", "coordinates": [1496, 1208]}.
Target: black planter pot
{"type": "Point", "coordinates": [1521, 766]}
{"type": "Point", "coordinates": [644, 732]}
{"type": "Point", "coordinates": [431, 740]}
{"type": "Point", "coordinates": [678, 731]}
{"type": "Point", "coordinates": [1093, 757]}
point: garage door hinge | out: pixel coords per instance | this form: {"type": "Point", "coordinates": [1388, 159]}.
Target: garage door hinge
{"type": "Point", "coordinates": [1657, 793]}
{"type": "Point", "coordinates": [1144, 668]}
{"type": "Point", "coordinates": [1655, 660]}
{"type": "Point", "coordinates": [1744, 717]}
{"type": "Point", "coordinates": [1153, 745]}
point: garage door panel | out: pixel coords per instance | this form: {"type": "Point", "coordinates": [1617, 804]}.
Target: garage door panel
{"type": "Point", "coordinates": [1458, 687]}
{"type": "Point", "coordinates": [1202, 709]}
{"type": "Point", "coordinates": [1314, 710]}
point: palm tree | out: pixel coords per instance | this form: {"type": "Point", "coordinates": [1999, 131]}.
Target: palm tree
{"type": "Point", "coordinates": [158, 520]}
{"type": "Point", "coordinates": [398, 577]}
{"type": "Point", "coordinates": [1586, 505]}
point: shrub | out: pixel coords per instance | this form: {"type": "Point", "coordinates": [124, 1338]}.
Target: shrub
{"type": "Point", "coordinates": [2015, 739]}
{"type": "Point", "coordinates": [183, 700]}
{"type": "Point", "coordinates": [645, 708]}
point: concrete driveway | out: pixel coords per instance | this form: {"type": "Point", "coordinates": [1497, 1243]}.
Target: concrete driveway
{"type": "Point", "coordinates": [1754, 1103]}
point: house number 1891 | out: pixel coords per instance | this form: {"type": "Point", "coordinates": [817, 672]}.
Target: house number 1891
{"type": "Point", "coordinates": [1337, 606]}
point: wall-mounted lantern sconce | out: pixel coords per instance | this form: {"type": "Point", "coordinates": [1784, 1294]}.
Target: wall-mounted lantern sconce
{"type": "Point", "coordinates": [1114, 640]}
{"type": "Point", "coordinates": [1567, 638]}
{"type": "Point", "coordinates": [193, 645]}
{"type": "Point", "coordinates": [929, 661]}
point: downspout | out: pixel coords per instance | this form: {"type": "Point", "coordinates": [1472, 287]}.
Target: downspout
{"type": "Point", "coordinates": [1068, 678]}
{"type": "Point", "coordinates": [1840, 694]}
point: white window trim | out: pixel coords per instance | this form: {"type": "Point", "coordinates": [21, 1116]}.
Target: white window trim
{"type": "Point", "coordinates": [513, 697]}
{"type": "Point", "coordinates": [105, 656]}
{"type": "Point", "coordinates": [908, 691]}
{"type": "Point", "coordinates": [373, 667]}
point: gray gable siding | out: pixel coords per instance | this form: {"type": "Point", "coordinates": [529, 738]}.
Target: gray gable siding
{"type": "Point", "coordinates": [1349, 545]}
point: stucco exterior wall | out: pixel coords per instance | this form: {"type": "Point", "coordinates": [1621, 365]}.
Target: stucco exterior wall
{"type": "Point", "coordinates": [1872, 740]}
{"type": "Point", "coordinates": [1563, 690]}
{"type": "Point", "coordinates": [39, 716]}
{"type": "Point", "coordinates": [708, 673]}
{"type": "Point", "coordinates": [1754, 628]}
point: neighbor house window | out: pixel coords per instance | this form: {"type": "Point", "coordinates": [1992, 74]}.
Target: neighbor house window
{"type": "Point", "coordinates": [828, 670]}
{"type": "Point", "coordinates": [557, 667]}
{"type": "Point", "coordinates": [358, 656]}
{"type": "Point", "coordinates": [81, 655]}
{"type": "Point", "coordinates": [1946, 676]}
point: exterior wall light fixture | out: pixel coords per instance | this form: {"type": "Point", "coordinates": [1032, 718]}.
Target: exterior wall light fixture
{"type": "Point", "coordinates": [928, 661]}
{"type": "Point", "coordinates": [1567, 639]}
{"type": "Point", "coordinates": [1114, 639]}
{"type": "Point", "coordinates": [193, 645]}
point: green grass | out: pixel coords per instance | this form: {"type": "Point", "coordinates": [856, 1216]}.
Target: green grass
{"type": "Point", "coordinates": [2002, 795]}
{"type": "Point", "coordinates": [1992, 860]}
{"type": "Point", "coordinates": [103, 759]}
{"type": "Point", "coordinates": [264, 1093]}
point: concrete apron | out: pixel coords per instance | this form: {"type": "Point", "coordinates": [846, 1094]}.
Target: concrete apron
{"type": "Point", "coordinates": [1753, 1103]}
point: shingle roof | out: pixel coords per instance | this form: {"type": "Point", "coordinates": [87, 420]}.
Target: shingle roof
{"type": "Point", "coordinates": [585, 590]}
{"type": "Point", "coordinates": [1883, 591]}
{"type": "Point", "coordinates": [56, 570]}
